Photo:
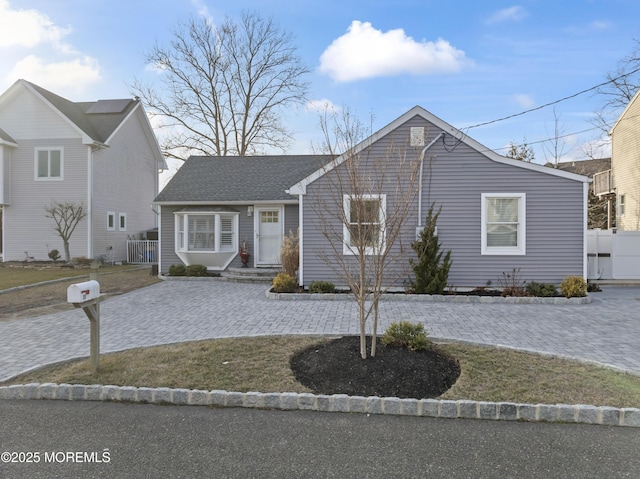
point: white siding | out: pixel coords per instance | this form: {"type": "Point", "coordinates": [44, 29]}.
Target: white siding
{"type": "Point", "coordinates": [625, 165]}
{"type": "Point", "coordinates": [125, 178]}
{"type": "Point", "coordinates": [26, 227]}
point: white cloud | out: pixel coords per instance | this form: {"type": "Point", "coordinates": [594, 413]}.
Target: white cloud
{"type": "Point", "coordinates": [29, 28]}
{"type": "Point", "coordinates": [364, 52]}
{"type": "Point", "coordinates": [600, 25]}
{"type": "Point", "coordinates": [72, 76]}
{"type": "Point", "coordinates": [515, 13]}
{"type": "Point", "coordinates": [524, 101]}
{"type": "Point", "coordinates": [203, 10]}
{"type": "Point", "coordinates": [33, 47]}
{"type": "Point", "coordinates": [322, 106]}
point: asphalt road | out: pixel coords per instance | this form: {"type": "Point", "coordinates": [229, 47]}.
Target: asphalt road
{"type": "Point", "coordinates": [115, 440]}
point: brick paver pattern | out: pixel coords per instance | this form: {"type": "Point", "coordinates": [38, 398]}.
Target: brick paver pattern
{"type": "Point", "coordinates": [606, 331]}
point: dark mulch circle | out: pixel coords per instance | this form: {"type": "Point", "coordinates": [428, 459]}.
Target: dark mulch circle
{"type": "Point", "coordinates": [335, 367]}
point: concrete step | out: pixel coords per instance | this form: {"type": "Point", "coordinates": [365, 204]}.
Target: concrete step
{"type": "Point", "coordinates": [250, 275]}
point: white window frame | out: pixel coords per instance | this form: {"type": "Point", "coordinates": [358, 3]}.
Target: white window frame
{"type": "Point", "coordinates": [621, 206]}
{"type": "Point", "coordinates": [347, 249]}
{"type": "Point", "coordinates": [521, 236]}
{"type": "Point", "coordinates": [122, 222]}
{"type": "Point", "coordinates": [37, 161]}
{"type": "Point", "coordinates": [111, 220]}
{"type": "Point", "coordinates": [181, 241]}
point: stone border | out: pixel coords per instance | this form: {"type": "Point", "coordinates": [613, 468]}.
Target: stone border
{"type": "Point", "coordinates": [430, 298]}
{"type": "Point", "coordinates": [461, 409]}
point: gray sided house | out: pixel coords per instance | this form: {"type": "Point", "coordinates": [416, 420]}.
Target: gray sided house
{"type": "Point", "coordinates": [101, 154]}
{"type": "Point", "coordinates": [213, 206]}
{"type": "Point", "coordinates": [497, 215]}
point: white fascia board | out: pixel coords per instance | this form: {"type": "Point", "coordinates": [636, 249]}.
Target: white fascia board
{"type": "Point", "coordinates": [624, 112]}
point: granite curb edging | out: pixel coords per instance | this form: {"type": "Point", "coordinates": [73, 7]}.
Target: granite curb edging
{"type": "Point", "coordinates": [431, 298]}
{"type": "Point", "coordinates": [450, 409]}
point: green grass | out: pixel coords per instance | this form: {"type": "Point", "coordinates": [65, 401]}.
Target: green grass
{"type": "Point", "coordinates": [15, 275]}
{"type": "Point", "coordinates": [262, 364]}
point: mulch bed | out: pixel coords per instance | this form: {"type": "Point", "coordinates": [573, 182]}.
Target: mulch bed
{"type": "Point", "coordinates": [335, 367]}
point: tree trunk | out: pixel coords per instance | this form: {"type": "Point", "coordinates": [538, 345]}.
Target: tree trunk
{"type": "Point", "coordinates": [67, 255]}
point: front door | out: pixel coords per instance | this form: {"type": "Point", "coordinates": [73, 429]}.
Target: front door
{"type": "Point", "coordinates": [269, 232]}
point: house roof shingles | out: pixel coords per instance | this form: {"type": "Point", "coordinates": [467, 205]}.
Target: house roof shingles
{"type": "Point", "coordinates": [98, 126]}
{"type": "Point", "coordinates": [229, 179]}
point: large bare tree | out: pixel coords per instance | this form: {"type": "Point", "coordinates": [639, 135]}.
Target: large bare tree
{"type": "Point", "coordinates": [622, 85]}
{"type": "Point", "coordinates": [362, 219]}
{"type": "Point", "coordinates": [224, 88]}
{"type": "Point", "coordinates": [66, 216]}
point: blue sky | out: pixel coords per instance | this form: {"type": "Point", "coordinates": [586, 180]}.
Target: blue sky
{"type": "Point", "coordinates": [467, 62]}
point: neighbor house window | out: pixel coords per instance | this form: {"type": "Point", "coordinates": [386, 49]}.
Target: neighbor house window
{"type": "Point", "coordinates": [503, 223]}
{"type": "Point", "coordinates": [122, 221]}
{"type": "Point", "coordinates": [621, 205]}
{"type": "Point", "coordinates": [210, 232]}
{"type": "Point", "coordinates": [364, 223]}
{"type": "Point", "coordinates": [111, 221]}
{"type": "Point", "coordinates": [49, 163]}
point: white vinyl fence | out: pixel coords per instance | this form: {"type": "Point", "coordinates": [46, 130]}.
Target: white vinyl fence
{"type": "Point", "coordinates": [142, 251]}
{"type": "Point", "coordinates": [613, 254]}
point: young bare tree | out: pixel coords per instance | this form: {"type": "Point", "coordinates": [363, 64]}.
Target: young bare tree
{"type": "Point", "coordinates": [371, 194]}
{"type": "Point", "coordinates": [556, 146]}
{"type": "Point", "coordinates": [66, 215]}
{"type": "Point", "coordinates": [224, 88]}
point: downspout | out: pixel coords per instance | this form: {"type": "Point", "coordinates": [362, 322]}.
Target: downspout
{"type": "Point", "coordinates": [300, 242]}
{"type": "Point", "coordinates": [89, 202]}
{"type": "Point", "coordinates": [585, 208]}
{"type": "Point", "coordinates": [422, 153]}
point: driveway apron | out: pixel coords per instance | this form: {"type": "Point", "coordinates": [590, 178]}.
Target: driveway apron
{"type": "Point", "coordinates": [606, 331]}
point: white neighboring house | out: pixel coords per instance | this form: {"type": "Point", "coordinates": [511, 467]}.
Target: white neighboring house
{"type": "Point", "coordinates": [102, 154]}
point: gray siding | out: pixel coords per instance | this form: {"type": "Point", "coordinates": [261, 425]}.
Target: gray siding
{"type": "Point", "coordinates": [455, 180]}
{"type": "Point", "coordinates": [246, 232]}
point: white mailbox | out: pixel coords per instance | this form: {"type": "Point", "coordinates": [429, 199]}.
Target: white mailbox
{"type": "Point", "coordinates": [81, 292]}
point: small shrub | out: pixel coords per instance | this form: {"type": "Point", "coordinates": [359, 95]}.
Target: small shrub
{"type": "Point", "coordinates": [430, 269]}
{"type": "Point", "coordinates": [81, 260]}
{"type": "Point", "coordinates": [196, 270]}
{"type": "Point", "coordinates": [177, 270]}
{"type": "Point", "coordinates": [284, 283]}
{"type": "Point", "coordinates": [593, 288]}
{"type": "Point", "coordinates": [542, 290]}
{"type": "Point", "coordinates": [573, 287]}
{"type": "Point", "coordinates": [322, 287]}
{"type": "Point", "coordinates": [404, 334]}
{"type": "Point", "coordinates": [54, 255]}
{"type": "Point", "coordinates": [512, 284]}
{"type": "Point", "coordinates": [290, 253]}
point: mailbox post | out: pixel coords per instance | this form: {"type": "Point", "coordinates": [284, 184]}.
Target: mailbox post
{"type": "Point", "coordinates": [87, 296]}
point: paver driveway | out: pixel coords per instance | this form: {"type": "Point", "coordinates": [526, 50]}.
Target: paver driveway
{"type": "Point", "coordinates": [606, 331]}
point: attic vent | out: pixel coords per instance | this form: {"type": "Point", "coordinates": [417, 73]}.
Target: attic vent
{"type": "Point", "coordinates": [109, 106]}
{"type": "Point", "coordinates": [417, 136]}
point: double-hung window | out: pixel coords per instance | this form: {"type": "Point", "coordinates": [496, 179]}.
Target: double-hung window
{"type": "Point", "coordinates": [206, 232]}
{"type": "Point", "coordinates": [49, 163]}
{"type": "Point", "coordinates": [364, 228]}
{"type": "Point", "coordinates": [503, 220]}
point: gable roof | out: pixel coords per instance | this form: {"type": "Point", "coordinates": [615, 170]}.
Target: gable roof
{"type": "Point", "coordinates": [584, 167]}
{"type": "Point", "coordinates": [300, 187]}
{"type": "Point", "coordinates": [98, 125]}
{"type": "Point", "coordinates": [238, 179]}
{"type": "Point", "coordinates": [624, 112]}
{"type": "Point", "coordinates": [96, 121]}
